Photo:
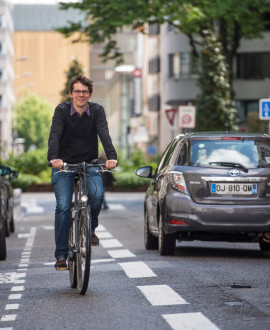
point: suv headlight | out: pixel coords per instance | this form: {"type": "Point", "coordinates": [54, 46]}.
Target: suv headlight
{"type": "Point", "coordinates": [177, 181]}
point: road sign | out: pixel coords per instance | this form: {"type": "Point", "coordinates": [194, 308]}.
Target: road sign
{"type": "Point", "coordinates": [170, 113]}
{"type": "Point", "coordinates": [187, 116]}
{"type": "Point", "coordinates": [264, 106]}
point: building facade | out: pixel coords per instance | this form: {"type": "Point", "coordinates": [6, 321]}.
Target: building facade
{"type": "Point", "coordinates": [170, 80]}
{"type": "Point", "coordinates": [6, 78]}
{"type": "Point", "coordinates": [47, 54]}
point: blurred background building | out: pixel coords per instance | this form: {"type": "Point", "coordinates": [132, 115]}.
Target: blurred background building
{"type": "Point", "coordinates": [141, 97]}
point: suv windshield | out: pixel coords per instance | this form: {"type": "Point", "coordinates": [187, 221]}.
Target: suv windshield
{"type": "Point", "coordinates": [248, 153]}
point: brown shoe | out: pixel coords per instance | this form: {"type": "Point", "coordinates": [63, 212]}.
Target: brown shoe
{"type": "Point", "coordinates": [61, 263]}
{"type": "Point", "coordinates": [94, 240]}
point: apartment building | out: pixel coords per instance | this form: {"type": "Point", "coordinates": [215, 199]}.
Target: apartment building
{"type": "Point", "coordinates": [170, 80]}
{"type": "Point", "coordinates": [6, 78]}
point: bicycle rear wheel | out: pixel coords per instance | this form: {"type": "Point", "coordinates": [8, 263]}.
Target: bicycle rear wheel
{"type": "Point", "coordinates": [83, 257]}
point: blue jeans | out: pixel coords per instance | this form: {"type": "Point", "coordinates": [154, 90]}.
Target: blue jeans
{"type": "Point", "coordinates": [63, 188]}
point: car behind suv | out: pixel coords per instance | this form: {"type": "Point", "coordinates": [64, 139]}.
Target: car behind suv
{"type": "Point", "coordinates": [211, 187]}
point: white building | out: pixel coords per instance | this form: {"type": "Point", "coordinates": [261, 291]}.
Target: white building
{"type": "Point", "coordinates": [6, 77]}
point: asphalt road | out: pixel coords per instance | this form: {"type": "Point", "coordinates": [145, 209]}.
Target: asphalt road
{"type": "Point", "coordinates": [205, 286]}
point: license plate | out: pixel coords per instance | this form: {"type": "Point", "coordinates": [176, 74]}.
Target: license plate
{"type": "Point", "coordinates": [234, 188]}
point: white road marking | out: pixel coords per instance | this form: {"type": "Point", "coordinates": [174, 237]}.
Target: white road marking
{"type": "Point", "coordinates": [24, 260]}
{"type": "Point", "coordinates": [12, 306]}
{"type": "Point", "coordinates": [48, 227]}
{"type": "Point", "coordinates": [6, 318]}
{"type": "Point", "coordinates": [6, 328]}
{"type": "Point", "coordinates": [100, 228]}
{"type": "Point", "coordinates": [7, 277]}
{"type": "Point", "coordinates": [17, 288]}
{"type": "Point", "coordinates": [161, 295]}
{"type": "Point", "coordinates": [32, 207]}
{"type": "Point", "coordinates": [49, 263]}
{"type": "Point", "coordinates": [23, 265]}
{"type": "Point", "coordinates": [26, 252]}
{"type": "Point", "coordinates": [104, 234]}
{"type": "Point", "coordinates": [123, 253]}
{"type": "Point", "coordinates": [20, 275]}
{"type": "Point", "coordinates": [115, 207]}
{"type": "Point", "coordinates": [110, 243]}
{"type": "Point", "coordinates": [22, 269]}
{"type": "Point", "coordinates": [96, 261]}
{"type": "Point", "coordinates": [137, 269]}
{"type": "Point", "coordinates": [189, 321]}
{"type": "Point", "coordinates": [24, 235]}
{"type": "Point", "coordinates": [19, 281]}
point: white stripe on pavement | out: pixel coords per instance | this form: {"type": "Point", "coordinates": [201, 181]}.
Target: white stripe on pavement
{"type": "Point", "coordinates": [110, 243]}
{"type": "Point", "coordinates": [161, 295]}
{"type": "Point", "coordinates": [137, 269]}
{"type": "Point", "coordinates": [189, 321]}
{"type": "Point", "coordinates": [123, 253]}
{"type": "Point", "coordinates": [104, 234]}
{"type": "Point", "coordinates": [11, 306]}
{"type": "Point", "coordinates": [100, 228]}
{"type": "Point", "coordinates": [6, 318]}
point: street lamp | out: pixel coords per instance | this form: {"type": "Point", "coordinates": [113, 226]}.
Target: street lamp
{"type": "Point", "coordinates": [126, 77]}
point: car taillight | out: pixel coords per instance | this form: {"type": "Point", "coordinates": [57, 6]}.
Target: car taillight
{"type": "Point", "coordinates": [177, 222]}
{"type": "Point", "coordinates": [178, 182]}
{"type": "Point", "coordinates": [231, 138]}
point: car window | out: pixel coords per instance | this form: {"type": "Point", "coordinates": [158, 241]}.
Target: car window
{"type": "Point", "coordinates": [167, 155]}
{"type": "Point", "coordinates": [246, 152]}
{"type": "Point", "coordinates": [183, 155]}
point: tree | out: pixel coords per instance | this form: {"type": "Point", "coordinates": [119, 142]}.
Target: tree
{"type": "Point", "coordinates": [229, 21]}
{"type": "Point", "coordinates": [33, 121]}
{"type": "Point", "coordinates": [75, 69]}
{"type": "Point", "coordinates": [215, 108]}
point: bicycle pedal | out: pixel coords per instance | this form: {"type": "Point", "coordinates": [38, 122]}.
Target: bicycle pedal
{"type": "Point", "coordinates": [61, 268]}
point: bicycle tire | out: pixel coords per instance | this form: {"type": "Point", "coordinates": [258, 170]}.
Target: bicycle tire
{"type": "Point", "coordinates": [71, 258]}
{"type": "Point", "coordinates": [83, 257]}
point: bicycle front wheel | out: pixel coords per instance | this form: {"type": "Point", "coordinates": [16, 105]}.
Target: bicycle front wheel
{"type": "Point", "coordinates": [84, 254]}
{"type": "Point", "coordinates": [71, 257]}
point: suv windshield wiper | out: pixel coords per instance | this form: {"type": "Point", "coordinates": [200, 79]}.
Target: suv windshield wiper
{"type": "Point", "coordinates": [230, 164]}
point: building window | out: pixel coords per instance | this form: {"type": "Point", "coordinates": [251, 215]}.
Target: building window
{"type": "Point", "coordinates": [245, 107]}
{"type": "Point", "coordinates": [153, 29]}
{"type": "Point", "coordinates": [154, 65]}
{"type": "Point", "coordinates": [253, 65]}
{"type": "Point", "coordinates": [182, 65]}
{"type": "Point", "coordinates": [154, 103]}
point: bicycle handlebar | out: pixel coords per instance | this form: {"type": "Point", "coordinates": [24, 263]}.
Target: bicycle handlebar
{"type": "Point", "coordinates": [94, 163]}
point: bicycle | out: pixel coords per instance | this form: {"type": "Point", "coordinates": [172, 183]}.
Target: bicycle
{"type": "Point", "coordinates": [79, 245]}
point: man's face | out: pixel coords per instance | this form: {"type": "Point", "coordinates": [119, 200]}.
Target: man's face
{"type": "Point", "coordinates": [80, 95]}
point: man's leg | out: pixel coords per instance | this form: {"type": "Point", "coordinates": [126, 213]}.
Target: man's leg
{"type": "Point", "coordinates": [95, 194]}
{"type": "Point", "coordinates": [63, 188]}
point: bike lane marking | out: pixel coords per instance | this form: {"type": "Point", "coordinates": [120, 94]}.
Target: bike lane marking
{"type": "Point", "coordinates": [161, 295]}
{"type": "Point", "coordinates": [23, 266]}
{"type": "Point", "coordinates": [189, 321]}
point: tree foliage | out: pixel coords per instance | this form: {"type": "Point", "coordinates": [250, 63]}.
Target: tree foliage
{"type": "Point", "coordinates": [34, 121]}
{"type": "Point", "coordinates": [215, 108]}
{"type": "Point", "coordinates": [75, 69]}
{"type": "Point", "coordinates": [228, 20]}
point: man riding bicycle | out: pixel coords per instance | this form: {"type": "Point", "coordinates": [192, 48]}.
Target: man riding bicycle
{"type": "Point", "coordinates": [75, 129]}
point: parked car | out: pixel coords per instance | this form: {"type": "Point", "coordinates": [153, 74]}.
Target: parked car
{"type": "Point", "coordinates": [210, 187]}
{"type": "Point", "coordinates": [4, 171]}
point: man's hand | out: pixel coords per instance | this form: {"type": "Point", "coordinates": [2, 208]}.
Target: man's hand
{"type": "Point", "coordinates": [57, 163]}
{"type": "Point", "coordinates": [111, 163]}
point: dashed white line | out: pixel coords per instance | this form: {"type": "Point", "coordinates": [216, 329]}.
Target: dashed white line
{"type": "Point", "coordinates": [110, 243]}
{"type": "Point", "coordinates": [189, 321]}
{"type": "Point", "coordinates": [6, 318]}
{"type": "Point", "coordinates": [100, 228]}
{"type": "Point", "coordinates": [96, 261]}
{"type": "Point", "coordinates": [104, 234]}
{"type": "Point", "coordinates": [12, 306]}
{"type": "Point", "coordinates": [161, 295]}
{"type": "Point", "coordinates": [136, 269]}
{"type": "Point", "coordinates": [17, 288]}
{"type": "Point", "coordinates": [123, 253]}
